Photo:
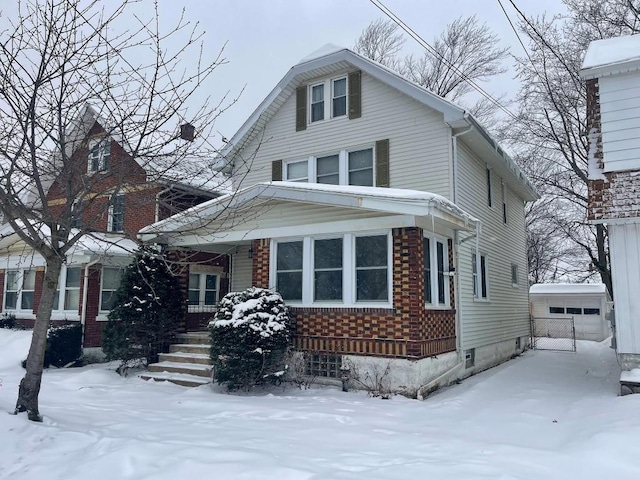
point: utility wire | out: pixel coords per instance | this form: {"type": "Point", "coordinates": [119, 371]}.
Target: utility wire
{"type": "Point", "coordinates": [435, 53]}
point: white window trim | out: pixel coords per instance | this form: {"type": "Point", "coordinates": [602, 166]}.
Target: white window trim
{"type": "Point", "coordinates": [110, 215]}
{"type": "Point", "coordinates": [20, 280]}
{"type": "Point", "coordinates": [477, 297]}
{"type": "Point", "coordinates": [202, 283]}
{"type": "Point", "coordinates": [343, 162]}
{"type": "Point", "coordinates": [348, 271]}
{"type": "Point", "coordinates": [328, 99]}
{"type": "Point", "coordinates": [433, 258]}
{"type": "Point", "coordinates": [515, 284]}
{"type": "Point", "coordinates": [101, 310]}
{"type": "Point", "coordinates": [103, 144]}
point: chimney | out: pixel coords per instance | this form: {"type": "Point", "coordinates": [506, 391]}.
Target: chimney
{"type": "Point", "coordinates": [187, 132]}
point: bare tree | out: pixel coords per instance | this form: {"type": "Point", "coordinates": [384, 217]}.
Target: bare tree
{"type": "Point", "coordinates": [57, 55]}
{"type": "Point", "coordinates": [550, 133]}
{"type": "Point", "coordinates": [466, 51]}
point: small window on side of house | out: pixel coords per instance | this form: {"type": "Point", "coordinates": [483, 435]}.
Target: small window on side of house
{"type": "Point", "coordinates": [504, 203]}
{"type": "Point", "coordinates": [489, 201]}
{"type": "Point", "coordinates": [339, 103]}
{"type": "Point", "coordinates": [100, 156]}
{"type": "Point", "coordinates": [514, 275]}
{"type": "Point", "coordinates": [116, 214]}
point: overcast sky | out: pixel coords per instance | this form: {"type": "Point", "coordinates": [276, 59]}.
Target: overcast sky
{"type": "Point", "coordinates": [266, 38]}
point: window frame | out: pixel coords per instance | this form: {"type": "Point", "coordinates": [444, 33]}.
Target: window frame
{"type": "Point", "coordinates": [349, 287]}
{"type": "Point", "coordinates": [505, 215]}
{"type": "Point", "coordinates": [489, 189]}
{"type": "Point", "coordinates": [20, 289]}
{"type": "Point", "coordinates": [435, 274]}
{"type": "Point", "coordinates": [17, 291]}
{"type": "Point", "coordinates": [515, 275]}
{"type": "Point", "coordinates": [328, 98]}
{"type": "Point", "coordinates": [480, 276]}
{"type": "Point", "coordinates": [103, 290]}
{"type": "Point", "coordinates": [343, 166]}
{"type": "Point", "coordinates": [202, 292]}
{"type": "Point", "coordinates": [118, 199]}
{"type": "Point", "coordinates": [99, 157]}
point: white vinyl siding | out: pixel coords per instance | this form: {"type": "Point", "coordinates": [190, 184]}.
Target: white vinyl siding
{"type": "Point", "coordinates": [504, 315]}
{"type": "Point", "coordinates": [620, 118]}
{"type": "Point", "coordinates": [241, 269]}
{"type": "Point", "coordinates": [624, 242]}
{"type": "Point", "coordinates": [419, 140]}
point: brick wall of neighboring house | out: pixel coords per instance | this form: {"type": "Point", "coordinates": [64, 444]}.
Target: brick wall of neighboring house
{"type": "Point", "coordinates": [407, 330]}
{"type": "Point", "coordinates": [617, 194]}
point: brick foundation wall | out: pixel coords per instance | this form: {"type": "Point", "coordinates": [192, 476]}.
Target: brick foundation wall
{"type": "Point", "coordinates": [407, 330]}
{"type": "Point", "coordinates": [618, 194]}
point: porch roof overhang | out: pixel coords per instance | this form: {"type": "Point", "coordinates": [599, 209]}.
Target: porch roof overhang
{"type": "Point", "coordinates": [268, 210]}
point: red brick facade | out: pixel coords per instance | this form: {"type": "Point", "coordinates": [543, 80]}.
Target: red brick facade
{"type": "Point", "coordinates": [618, 194]}
{"type": "Point", "coordinates": [408, 330]}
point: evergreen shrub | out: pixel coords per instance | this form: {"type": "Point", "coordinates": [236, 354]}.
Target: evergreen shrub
{"type": "Point", "coordinates": [148, 306]}
{"type": "Point", "coordinates": [64, 346]}
{"type": "Point", "coordinates": [250, 338]}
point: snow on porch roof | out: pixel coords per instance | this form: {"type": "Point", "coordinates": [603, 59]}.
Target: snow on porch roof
{"type": "Point", "coordinates": [567, 289]}
{"type": "Point", "coordinates": [384, 200]}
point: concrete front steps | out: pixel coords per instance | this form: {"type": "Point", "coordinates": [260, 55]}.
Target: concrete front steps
{"type": "Point", "coordinates": [188, 362]}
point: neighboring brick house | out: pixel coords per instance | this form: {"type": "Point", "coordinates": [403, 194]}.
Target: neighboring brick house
{"type": "Point", "coordinates": [121, 197]}
{"type": "Point", "coordinates": [611, 69]}
{"type": "Point", "coordinates": [388, 218]}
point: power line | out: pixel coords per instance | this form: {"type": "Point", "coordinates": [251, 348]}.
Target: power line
{"type": "Point", "coordinates": [435, 53]}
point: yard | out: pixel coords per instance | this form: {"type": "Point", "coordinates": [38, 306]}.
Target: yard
{"type": "Point", "coordinates": [544, 416]}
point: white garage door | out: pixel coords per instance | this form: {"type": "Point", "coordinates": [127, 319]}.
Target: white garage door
{"type": "Point", "coordinates": [588, 315]}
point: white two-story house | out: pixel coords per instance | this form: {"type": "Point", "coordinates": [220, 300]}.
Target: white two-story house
{"type": "Point", "coordinates": [388, 218]}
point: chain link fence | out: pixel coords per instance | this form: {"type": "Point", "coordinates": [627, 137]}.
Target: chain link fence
{"type": "Point", "coordinates": [553, 334]}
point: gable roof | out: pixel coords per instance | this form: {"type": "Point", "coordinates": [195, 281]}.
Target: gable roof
{"type": "Point", "coordinates": [190, 172]}
{"type": "Point", "coordinates": [331, 59]}
{"type": "Point", "coordinates": [212, 217]}
{"type": "Point", "coordinates": [611, 56]}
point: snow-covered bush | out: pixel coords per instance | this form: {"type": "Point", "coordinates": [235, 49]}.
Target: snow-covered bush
{"type": "Point", "coordinates": [250, 338]}
{"type": "Point", "coordinates": [148, 306]}
{"type": "Point", "coordinates": [64, 345]}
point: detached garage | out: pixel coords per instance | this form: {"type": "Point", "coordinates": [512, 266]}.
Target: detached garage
{"type": "Point", "coordinates": [588, 304]}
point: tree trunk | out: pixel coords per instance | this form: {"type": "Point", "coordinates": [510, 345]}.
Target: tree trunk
{"type": "Point", "coordinates": [30, 384]}
{"type": "Point", "coordinates": [603, 258]}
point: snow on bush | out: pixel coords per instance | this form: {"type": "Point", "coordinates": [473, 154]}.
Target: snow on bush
{"type": "Point", "coordinates": [250, 338]}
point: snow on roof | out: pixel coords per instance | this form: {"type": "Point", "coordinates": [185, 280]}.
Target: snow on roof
{"type": "Point", "coordinates": [611, 52]}
{"type": "Point", "coordinates": [323, 51]}
{"type": "Point", "coordinates": [194, 172]}
{"type": "Point", "coordinates": [567, 289]}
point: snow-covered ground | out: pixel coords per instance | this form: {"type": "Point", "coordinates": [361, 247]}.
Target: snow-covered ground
{"type": "Point", "coordinates": [544, 416]}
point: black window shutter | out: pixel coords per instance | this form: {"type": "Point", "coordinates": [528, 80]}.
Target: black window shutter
{"type": "Point", "coordinates": [382, 163]}
{"type": "Point", "coordinates": [355, 95]}
{"type": "Point", "coordinates": [276, 170]}
{"type": "Point", "coordinates": [301, 108]}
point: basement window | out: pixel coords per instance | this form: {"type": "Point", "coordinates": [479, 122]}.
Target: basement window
{"type": "Point", "coordinates": [323, 365]}
{"type": "Point", "coordinates": [469, 358]}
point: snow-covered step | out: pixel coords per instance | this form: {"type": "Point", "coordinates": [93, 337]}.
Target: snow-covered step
{"type": "Point", "coordinates": [178, 367]}
{"type": "Point", "coordinates": [190, 348]}
{"type": "Point", "coordinates": [183, 379]}
{"type": "Point", "coordinates": [194, 338]}
{"type": "Point", "coordinates": [184, 357]}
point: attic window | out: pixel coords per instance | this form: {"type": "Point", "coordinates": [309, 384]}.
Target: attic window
{"type": "Point", "coordinates": [99, 156]}
{"type": "Point", "coordinates": [319, 108]}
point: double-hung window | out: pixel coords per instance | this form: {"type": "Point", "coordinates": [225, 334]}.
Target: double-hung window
{"type": "Point", "coordinates": [327, 269]}
{"type": "Point", "coordinates": [436, 266]}
{"type": "Point", "coordinates": [289, 270]}
{"type": "Point", "coordinates": [72, 289]}
{"type": "Point", "coordinates": [321, 109]}
{"type": "Point", "coordinates": [116, 214]}
{"type": "Point", "coordinates": [99, 156]}
{"type": "Point", "coordinates": [371, 268]}
{"type": "Point", "coordinates": [346, 270]}
{"type": "Point", "coordinates": [203, 290]}
{"type": "Point", "coordinates": [346, 167]}
{"type": "Point", "coordinates": [479, 271]}
{"type": "Point", "coordinates": [111, 277]}
{"type": "Point", "coordinates": [19, 289]}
